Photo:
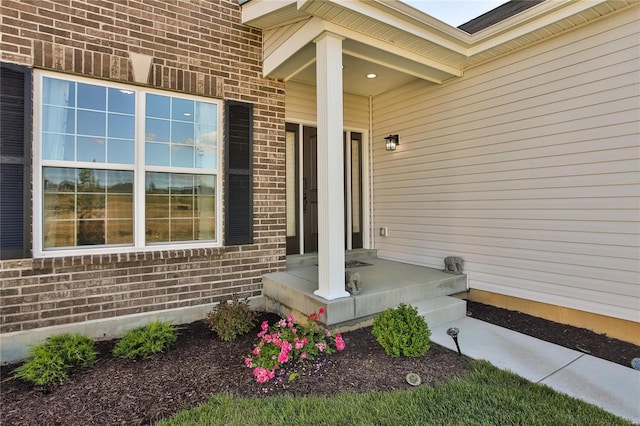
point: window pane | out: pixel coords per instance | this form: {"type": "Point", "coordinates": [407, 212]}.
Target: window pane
{"type": "Point", "coordinates": [121, 126]}
{"type": "Point", "coordinates": [91, 180]}
{"type": "Point", "coordinates": [181, 183]}
{"type": "Point", "coordinates": [120, 151]}
{"type": "Point", "coordinates": [59, 233]}
{"type": "Point", "coordinates": [157, 231]}
{"type": "Point", "coordinates": [59, 179]}
{"type": "Point", "coordinates": [157, 207]}
{"type": "Point", "coordinates": [290, 155]}
{"type": "Point", "coordinates": [182, 109]}
{"type": "Point", "coordinates": [59, 206]}
{"type": "Point", "coordinates": [58, 147]}
{"type": "Point", "coordinates": [206, 147]}
{"type": "Point", "coordinates": [157, 183]}
{"type": "Point", "coordinates": [181, 229]}
{"type": "Point", "coordinates": [91, 206]}
{"type": "Point", "coordinates": [205, 229]}
{"type": "Point", "coordinates": [119, 182]}
{"type": "Point", "coordinates": [206, 113]}
{"type": "Point", "coordinates": [181, 156]}
{"type": "Point", "coordinates": [120, 232]}
{"type": "Point", "coordinates": [121, 100]}
{"type": "Point", "coordinates": [182, 204]}
{"type": "Point", "coordinates": [158, 106]}
{"type": "Point", "coordinates": [156, 154]}
{"type": "Point", "coordinates": [206, 207]}
{"type": "Point", "coordinates": [91, 96]}
{"type": "Point", "coordinates": [58, 120]}
{"type": "Point", "coordinates": [205, 185]}
{"type": "Point", "coordinates": [92, 123]}
{"type": "Point", "coordinates": [91, 232]}
{"type": "Point", "coordinates": [182, 133]}
{"type": "Point", "coordinates": [157, 130]}
{"type": "Point", "coordinates": [58, 92]}
{"type": "Point", "coordinates": [120, 206]}
{"type": "Point", "coordinates": [91, 149]}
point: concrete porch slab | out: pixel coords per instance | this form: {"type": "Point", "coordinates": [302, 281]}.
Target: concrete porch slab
{"type": "Point", "coordinates": [385, 284]}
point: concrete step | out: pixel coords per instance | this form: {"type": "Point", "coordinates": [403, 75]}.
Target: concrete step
{"type": "Point", "coordinates": [440, 310]}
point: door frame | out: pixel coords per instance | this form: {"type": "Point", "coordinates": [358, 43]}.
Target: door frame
{"type": "Point", "coordinates": [366, 189]}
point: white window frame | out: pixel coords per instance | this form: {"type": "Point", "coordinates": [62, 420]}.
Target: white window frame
{"type": "Point", "coordinates": [139, 168]}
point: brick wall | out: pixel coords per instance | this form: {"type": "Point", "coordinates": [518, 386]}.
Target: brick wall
{"type": "Point", "coordinates": [198, 47]}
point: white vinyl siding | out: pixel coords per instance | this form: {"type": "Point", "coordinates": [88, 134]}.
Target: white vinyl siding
{"type": "Point", "coordinates": [301, 107]}
{"type": "Point", "coordinates": [528, 167]}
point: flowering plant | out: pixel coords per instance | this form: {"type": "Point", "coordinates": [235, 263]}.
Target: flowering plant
{"type": "Point", "coordinates": [289, 340]}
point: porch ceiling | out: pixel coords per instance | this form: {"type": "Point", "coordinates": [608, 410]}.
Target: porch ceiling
{"type": "Point", "coordinates": [398, 42]}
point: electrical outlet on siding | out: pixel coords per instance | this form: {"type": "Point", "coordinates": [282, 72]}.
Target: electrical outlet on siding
{"type": "Point", "coordinates": [384, 231]}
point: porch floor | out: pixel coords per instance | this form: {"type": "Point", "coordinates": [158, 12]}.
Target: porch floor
{"type": "Point", "coordinates": [384, 284]}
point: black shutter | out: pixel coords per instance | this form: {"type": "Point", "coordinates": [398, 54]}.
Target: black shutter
{"type": "Point", "coordinates": [239, 173]}
{"type": "Point", "coordinates": [15, 133]}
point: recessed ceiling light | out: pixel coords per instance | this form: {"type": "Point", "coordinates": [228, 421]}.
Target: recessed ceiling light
{"type": "Point", "coordinates": [372, 75]}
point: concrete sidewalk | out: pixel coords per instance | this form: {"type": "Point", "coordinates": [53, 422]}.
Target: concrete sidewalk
{"type": "Point", "coordinates": [610, 386]}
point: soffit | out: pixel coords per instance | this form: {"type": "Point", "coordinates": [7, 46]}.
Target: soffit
{"type": "Point", "coordinates": [393, 35]}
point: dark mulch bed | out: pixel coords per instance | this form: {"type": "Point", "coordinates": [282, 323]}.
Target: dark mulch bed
{"type": "Point", "coordinates": [118, 391]}
{"type": "Point", "coordinates": [598, 345]}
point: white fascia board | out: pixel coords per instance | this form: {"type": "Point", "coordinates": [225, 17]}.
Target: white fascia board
{"type": "Point", "coordinates": [305, 35]}
{"type": "Point", "coordinates": [533, 19]}
{"type": "Point", "coordinates": [456, 42]}
{"type": "Point", "coordinates": [256, 9]}
{"type": "Point", "coordinates": [394, 49]}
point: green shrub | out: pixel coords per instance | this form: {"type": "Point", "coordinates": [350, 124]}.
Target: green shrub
{"type": "Point", "coordinates": [402, 332]}
{"type": "Point", "coordinates": [144, 341]}
{"type": "Point", "coordinates": [56, 358]}
{"type": "Point", "coordinates": [230, 320]}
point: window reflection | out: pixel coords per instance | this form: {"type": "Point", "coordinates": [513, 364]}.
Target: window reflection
{"type": "Point", "coordinates": [84, 207]}
{"type": "Point", "coordinates": [179, 207]}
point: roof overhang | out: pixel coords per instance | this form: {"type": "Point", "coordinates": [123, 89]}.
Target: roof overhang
{"type": "Point", "coordinates": [401, 39]}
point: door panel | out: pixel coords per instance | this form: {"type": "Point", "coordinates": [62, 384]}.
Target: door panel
{"type": "Point", "coordinates": [309, 202]}
{"type": "Point", "coordinates": [310, 189]}
{"type": "Point", "coordinates": [292, 202]}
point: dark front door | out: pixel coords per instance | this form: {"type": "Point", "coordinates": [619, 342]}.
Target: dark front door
{"type": "Point", "coordinates": [302, 194]}
{"type": "Point", "coordinates": [310, 188]}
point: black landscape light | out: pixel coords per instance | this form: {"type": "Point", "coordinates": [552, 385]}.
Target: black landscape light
{"type": "Point", "coordinates": [453, 332]}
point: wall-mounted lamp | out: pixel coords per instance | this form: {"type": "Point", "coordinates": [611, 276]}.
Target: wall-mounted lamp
{"type": "Point", "coordinates": [392, 141]}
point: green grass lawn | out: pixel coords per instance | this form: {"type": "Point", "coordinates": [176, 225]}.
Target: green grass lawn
{"type": "Point", "coordinates": [485, 396]}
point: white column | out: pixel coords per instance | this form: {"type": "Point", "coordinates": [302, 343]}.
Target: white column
{"type": "Point", "coordinates": [330, 168]}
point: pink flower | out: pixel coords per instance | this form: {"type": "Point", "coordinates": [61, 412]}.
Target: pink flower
{"type": "Point", "coordinates": [294, 330]}
{"type": "Point", "coordinates": [291, 318]}
{"type": "Point", "coordinates": [256, 350]}
{"type": "Point", "coordinates": [327, 333]}
{"type": "Point", "coordinates": [282, 323]}
{"type": "Point", "coordinates": [303, 355]}
{"type": "Point", "coordinates": [265, 325]}
{"type": "Point", "coordinates": [321, 346]}
{"type": "Point", "coordinates": [321, 311]}
{"type": "Point", "coordinates": [313, 316]}
{"type": "Point", "coordinates": [283, 357]}
{"type": "Point", "coordinates": [339, 342]}
{"type": "Point", "coordinates": [262, 374]}
{"type": "Point", "coordinates": [248, 363]}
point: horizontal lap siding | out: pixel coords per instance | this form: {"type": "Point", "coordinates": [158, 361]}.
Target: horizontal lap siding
{"type": "Point", "coordinates": [301, 106]}
{"type": "Point", "coordinates": [527, 167]}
